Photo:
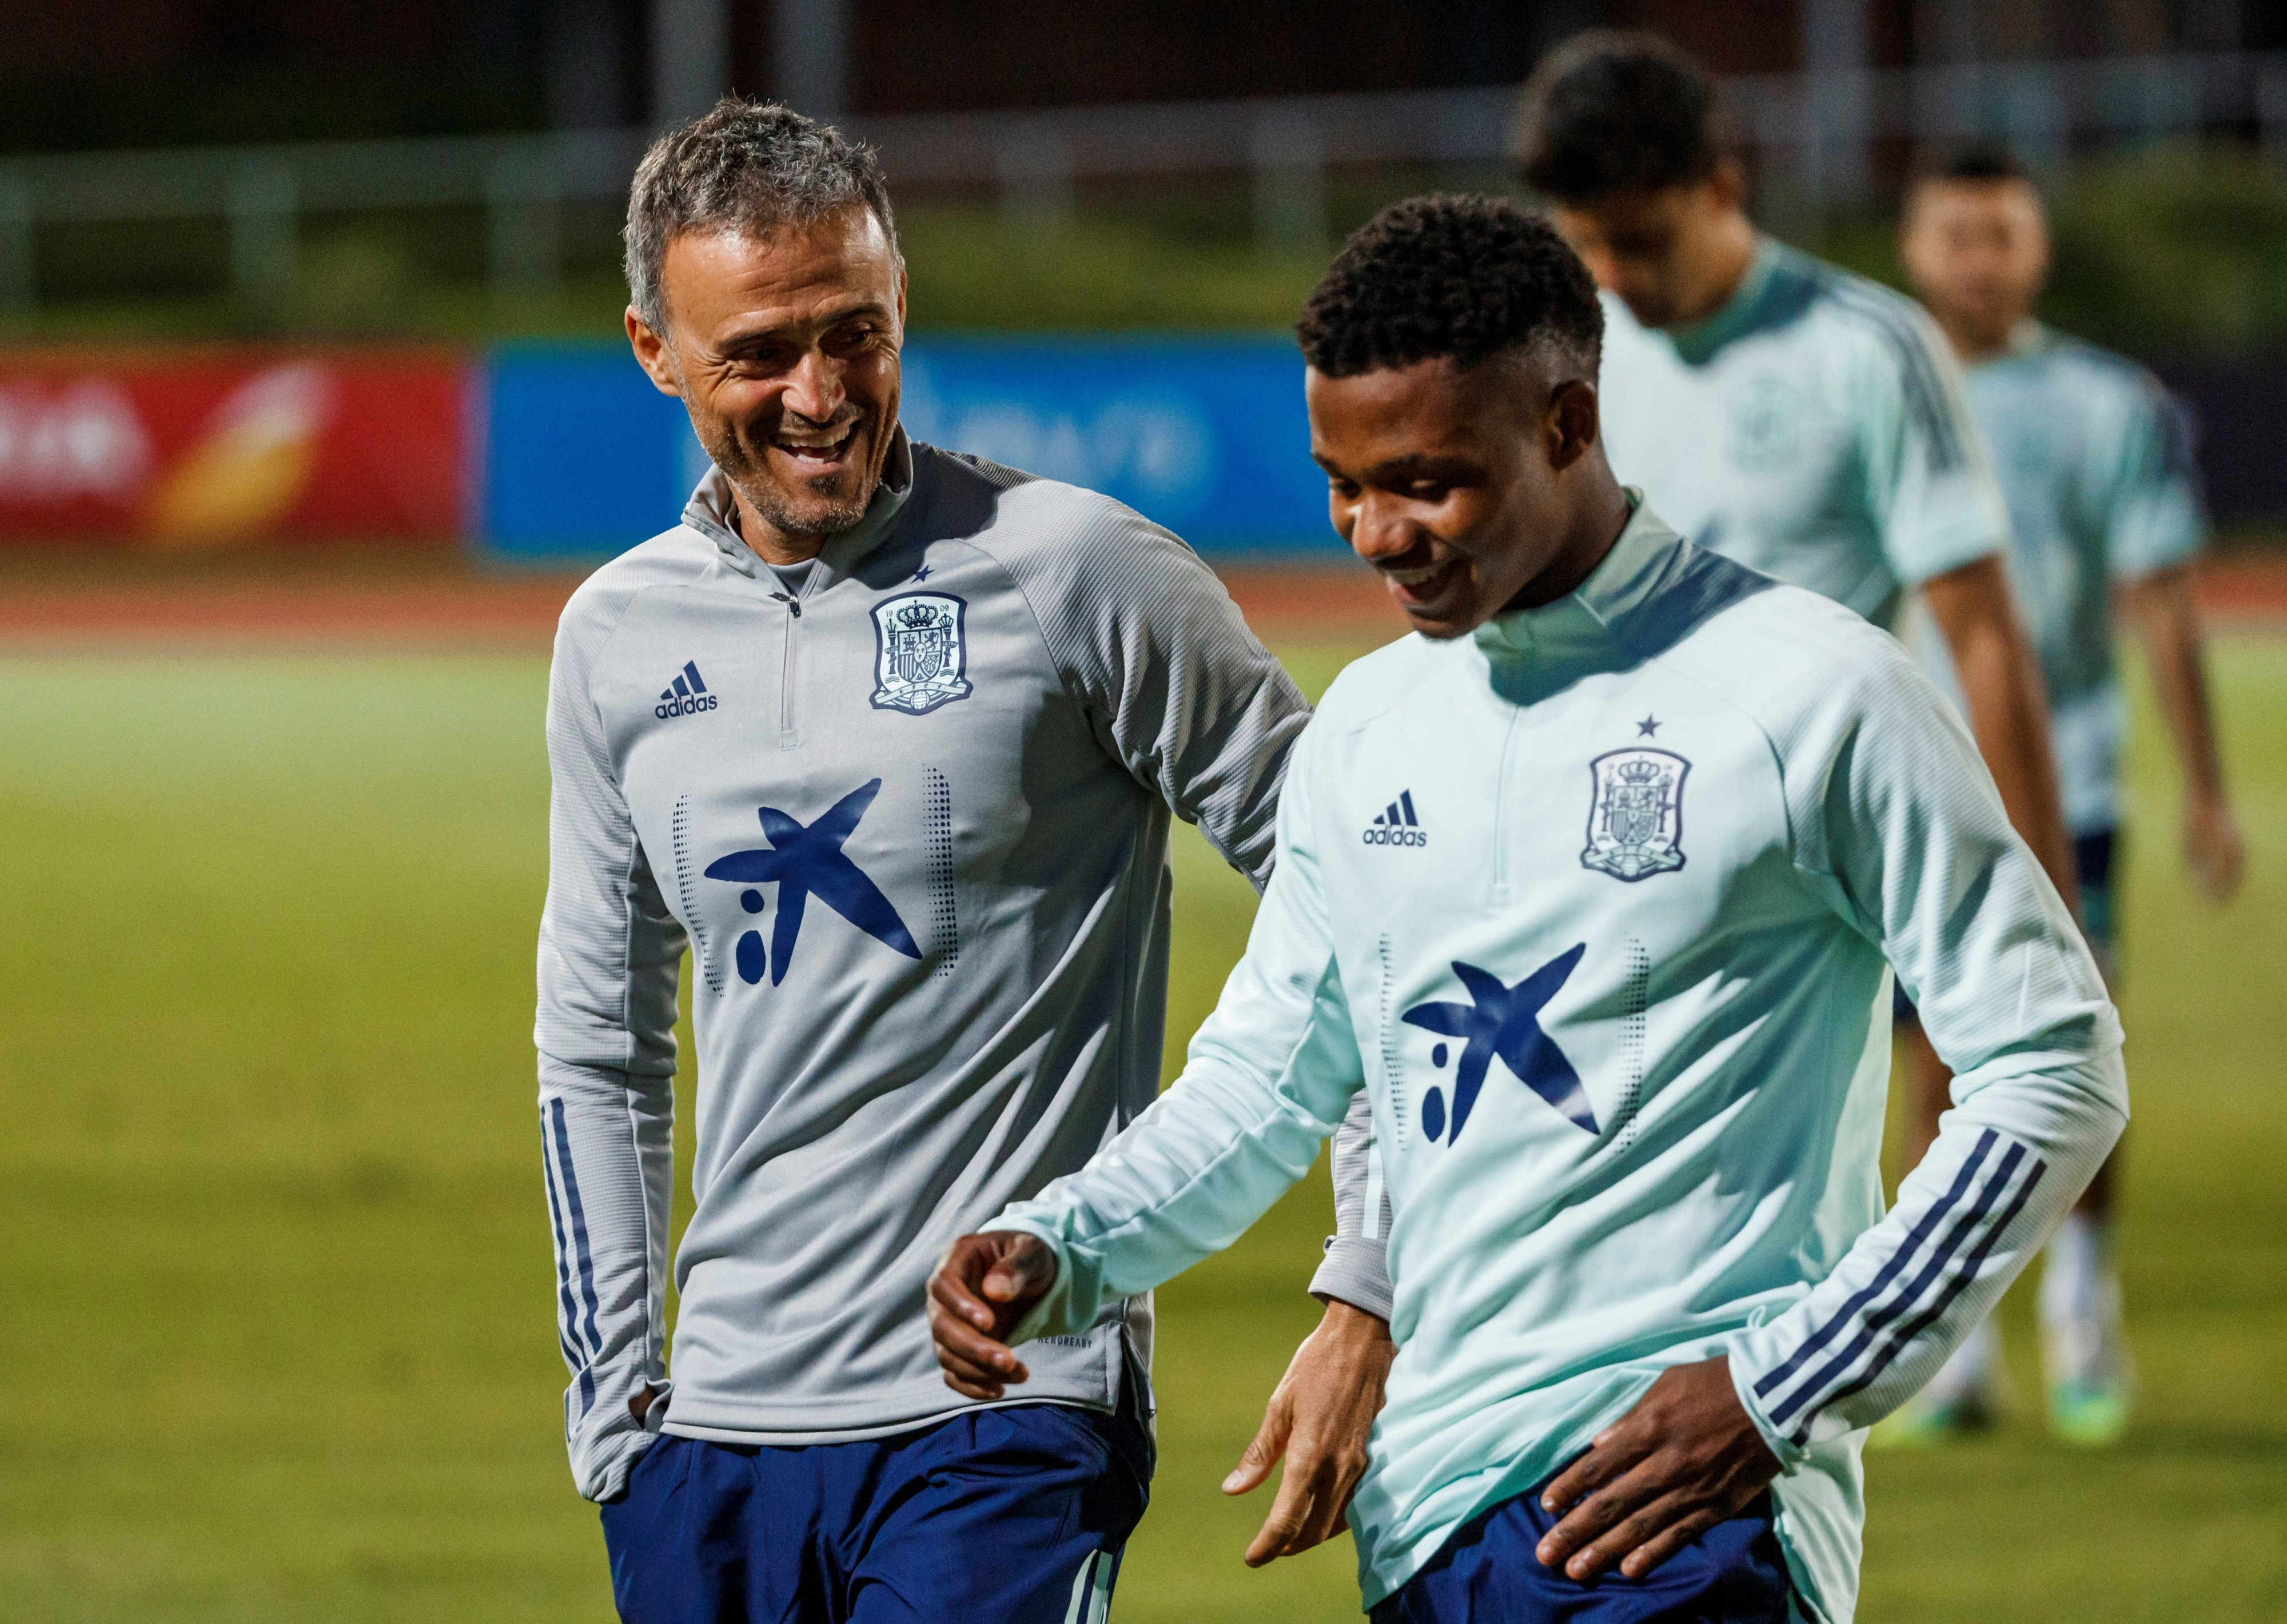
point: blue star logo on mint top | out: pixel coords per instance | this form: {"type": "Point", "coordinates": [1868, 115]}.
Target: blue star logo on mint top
{"type": "Point", "coordinates": [806, 861]}
{"type": "Point", "coordinates": [1502, 1021]}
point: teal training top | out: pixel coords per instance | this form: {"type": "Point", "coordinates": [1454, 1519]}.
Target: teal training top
{"type": "Point", "coordinates": [1813, 428]}
{"type": "Point", "coordinates": [2096, 461]}
{"type": "Point", "coordinates": [1593, 906]}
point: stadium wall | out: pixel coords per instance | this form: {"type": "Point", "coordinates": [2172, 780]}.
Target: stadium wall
{"type": "Point", "coordinates": [541, 453]}
{"type": "Point", "coordinates": [1207, 436]}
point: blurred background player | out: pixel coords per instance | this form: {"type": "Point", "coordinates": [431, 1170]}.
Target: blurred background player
{"type": "Point", "coordinates": [2095, 458]}
{"type": "Point", "coordinates": [1800, 419]}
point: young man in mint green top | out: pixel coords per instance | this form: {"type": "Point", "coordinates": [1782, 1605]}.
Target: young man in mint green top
{"type": "Point", "coordinates": [2104, 505]}
{"type": "Point", "coordinates": [1619, 1012]}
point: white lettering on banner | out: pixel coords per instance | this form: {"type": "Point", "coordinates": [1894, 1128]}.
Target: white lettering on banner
{"type": "Point", "coordinates": [1155, 450]}
{"type": "Point", "coordinates": [84, 441]}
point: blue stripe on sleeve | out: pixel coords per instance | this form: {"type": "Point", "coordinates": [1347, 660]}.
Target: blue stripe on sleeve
{"type": "Point", "coordinates": [579, 1224]}
{"type": "Point", "coordinates": [1874, 1288]}
{"type": "Point", "coordinates": [1905, 1299]}
{"type": "Point", "coordinates": [568, 1319]}
{"type": "Point", "coordinates": [1906, 1333]}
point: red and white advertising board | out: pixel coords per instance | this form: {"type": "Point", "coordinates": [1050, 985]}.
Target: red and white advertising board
{"type": "Point", "coordinates": [192, 452]}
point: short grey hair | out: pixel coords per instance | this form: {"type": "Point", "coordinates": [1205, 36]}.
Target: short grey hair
{"type": "Point", "coordinates": [745, 166]}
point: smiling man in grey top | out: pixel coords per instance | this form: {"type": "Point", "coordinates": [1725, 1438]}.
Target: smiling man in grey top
{"type": "Point", "coordinates": [889, 739]}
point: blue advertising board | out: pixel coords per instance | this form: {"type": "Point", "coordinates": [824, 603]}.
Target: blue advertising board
{"type": "Point", "coordinates": [1205, 436]}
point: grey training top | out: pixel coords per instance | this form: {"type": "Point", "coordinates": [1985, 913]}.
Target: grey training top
{"type": "Point", "coordinates": [911, 824]}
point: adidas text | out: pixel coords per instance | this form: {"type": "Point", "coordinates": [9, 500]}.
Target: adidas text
{"type": "Point", "coordinates": [1397, 826]}
{"type": "Point", "coordinates": [686, 695]}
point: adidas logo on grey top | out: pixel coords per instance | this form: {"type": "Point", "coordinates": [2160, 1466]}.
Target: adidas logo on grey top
{"type": "Point", "coordinates": [686, 695]}
{"type": "Point", "coordinates": [1397, 826]}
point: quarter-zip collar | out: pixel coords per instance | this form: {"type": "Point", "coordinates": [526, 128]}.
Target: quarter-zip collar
{"type": "Point", "coordinates": [1577, 631]}
{"type": "Point", "coordinates": [711, 506]}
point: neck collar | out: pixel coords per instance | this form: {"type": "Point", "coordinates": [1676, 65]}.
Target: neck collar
{"type": "Point", "coordinates": [713, 504]}
{"type": "Point", "coordinates": [1580, 623]}
{"type": "Point", "coordinates": [1741, 313]}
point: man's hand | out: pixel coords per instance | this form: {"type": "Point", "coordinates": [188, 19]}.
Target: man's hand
{"type": "Point", "coordinates": [2212, 848]}
{"type": "Point", "coordinates": [1685, 1458]}
{"type": "Point", "coordinates": [983, 1285]}
{"type": "Point", "coordinates": [2165, 606]}
{"type": "Point", "coordinates": [1318, 1417]}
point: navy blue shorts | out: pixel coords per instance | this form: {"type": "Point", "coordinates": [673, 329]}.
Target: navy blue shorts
{"type": "Point", "coordinates": [1015, 1516]}
{"type": "Point", "coordinates": [1486, 1573]}
{"type": "Point", "coordinates": [2095, 855]}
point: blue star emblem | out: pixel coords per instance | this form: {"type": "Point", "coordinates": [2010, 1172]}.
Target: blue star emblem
{"type": "Point", "coordinates": [922, 573]}
{"type": "Point", "coordinates": [1505, 1021]}
{"type": "Point", "coordinates": [1648, 727]}
{"type": "Point", "coordinates": [807, 861]}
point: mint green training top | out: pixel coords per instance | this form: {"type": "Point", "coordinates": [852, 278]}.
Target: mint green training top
{"type": "Point", "coordinates": [1593, 905]}
{"type": "Point", "coordinates": [1813, 428]}
{"type": "Point", "coordinates": [2096, 461]}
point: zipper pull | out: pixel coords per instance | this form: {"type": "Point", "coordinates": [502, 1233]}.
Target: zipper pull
{"type": "Point", "coordinates": [792, 603]}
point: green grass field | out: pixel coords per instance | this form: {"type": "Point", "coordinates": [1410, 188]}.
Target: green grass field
{"type": "Point", "coordinates": [277, 1340]}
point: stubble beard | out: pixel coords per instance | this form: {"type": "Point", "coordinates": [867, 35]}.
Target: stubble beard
{"type": "Point", "coordinates": [825, 515]}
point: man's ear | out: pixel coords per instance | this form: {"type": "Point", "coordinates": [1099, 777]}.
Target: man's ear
{"type": "Point", "coordinates": [653, 354]}
{"type": "Point", "coordinates": [901, 298]}
{"type": "Point", "coordinates": [1575, 419]}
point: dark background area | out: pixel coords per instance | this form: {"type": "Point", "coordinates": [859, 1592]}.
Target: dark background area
{"type": "Point", "coordinates": [2175, 251]}
{"type": "Point", "coordinates": [149, 73]}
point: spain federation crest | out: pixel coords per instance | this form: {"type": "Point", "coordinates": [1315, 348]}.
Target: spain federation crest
{"type": "Point", "coordinates": [920, 652]}
{"type": "Point", "coordinates": [1635, 821]}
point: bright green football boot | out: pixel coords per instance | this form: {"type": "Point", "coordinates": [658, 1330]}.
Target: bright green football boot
{"type": "Point", "coordinates": [1967, 1397]}
{"type": "Point", "coordinates": [2093, 1416]}
{"type": "Point", "coordinates": [2085, 1345]}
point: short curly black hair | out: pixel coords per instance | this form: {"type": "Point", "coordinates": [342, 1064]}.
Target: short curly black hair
{"type": "Point", "coordinates": [1465, 278]}
{"type": "Point", "coordinates": [1609, 113]}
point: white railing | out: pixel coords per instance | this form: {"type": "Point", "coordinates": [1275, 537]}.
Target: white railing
{"type": "Point", "coordinates": [1810, 133]}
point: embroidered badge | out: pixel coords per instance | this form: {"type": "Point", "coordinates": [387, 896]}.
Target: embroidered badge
{"type": "Point", "coordinates": [920, 658]}
{"type": "Point", "coordinates": [1635, 820]}
{"type": "Point", "coordinates": [1766, 425]}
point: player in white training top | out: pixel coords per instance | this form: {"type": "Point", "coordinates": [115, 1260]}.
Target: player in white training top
{"type": "Point", "coordinates": [2104, 506]}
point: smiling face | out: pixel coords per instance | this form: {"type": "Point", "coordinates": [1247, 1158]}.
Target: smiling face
{"type": "Point", "coordinates": [1469, 491]}
{"type": "Point", "coordinates": [784, 349]}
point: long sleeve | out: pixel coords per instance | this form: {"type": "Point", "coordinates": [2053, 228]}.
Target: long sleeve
{"type": "Point", "coordinates": [1179, 691]}
{"type": "Point", "coordinates": [1898, 826]}
{"type": "Point", "coordinates": [609, 952]}
{"type": "Point", "coordinates": [1269, 1076]}
{"type": "Point", "coordinates": [1357, 1267]}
